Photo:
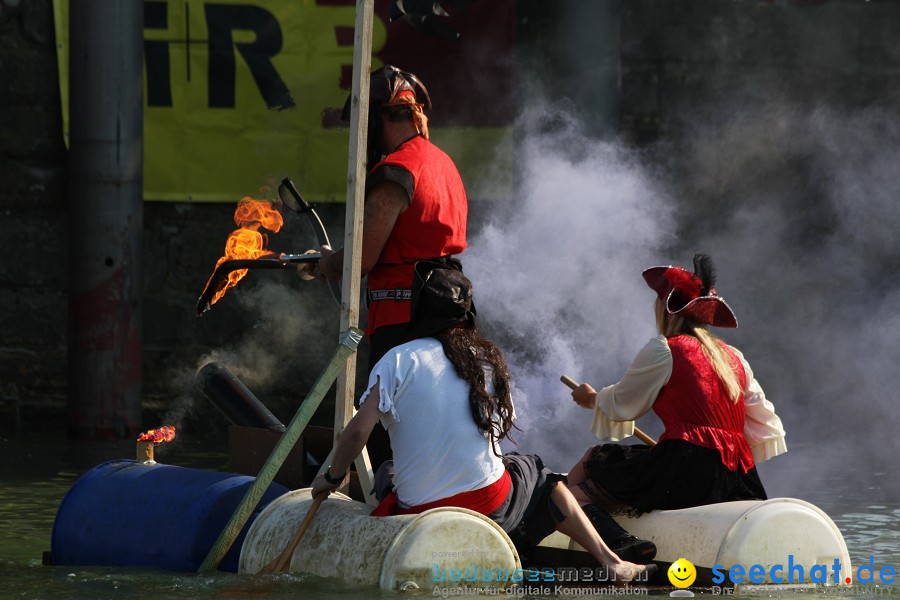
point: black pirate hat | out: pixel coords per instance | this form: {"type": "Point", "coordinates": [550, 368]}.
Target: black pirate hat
{"type": "Point", "coordinates": [441, 298]}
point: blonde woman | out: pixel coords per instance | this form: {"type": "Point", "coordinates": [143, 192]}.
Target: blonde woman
{"type": "Point", "coordinates": [718, 422]}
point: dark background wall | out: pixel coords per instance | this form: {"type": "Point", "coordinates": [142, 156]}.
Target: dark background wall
{"type": "Point", "coordinates": [691, 81]}
{"type": "Point", "coordinates": [32, 214]}
{"type": "Point", "coordinates": [680, 57]}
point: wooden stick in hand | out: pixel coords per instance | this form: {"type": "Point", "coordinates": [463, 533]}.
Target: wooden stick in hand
{"type": "Point", "coordinates": [572, 384]}
{"type": "Point", "coordinates": [283, 560]}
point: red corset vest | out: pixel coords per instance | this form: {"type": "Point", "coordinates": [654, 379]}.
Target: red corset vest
{"type": "Point", "coordinates": [694, 405]}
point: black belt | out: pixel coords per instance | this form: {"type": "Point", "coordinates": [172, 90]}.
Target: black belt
{"type": "Point", "coordinates": [395, 294]}
{"type": "Point", "coordinates": [406, 293]}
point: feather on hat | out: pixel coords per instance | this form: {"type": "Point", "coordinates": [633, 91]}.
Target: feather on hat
{"type": "Point", "coordinates": [691, 295]}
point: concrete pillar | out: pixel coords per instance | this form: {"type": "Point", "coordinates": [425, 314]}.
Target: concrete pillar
{"type": "Point", "coordinates": [105, 217]}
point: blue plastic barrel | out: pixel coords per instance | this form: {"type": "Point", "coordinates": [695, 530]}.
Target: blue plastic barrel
{"type": "Point", "coordinates": [124, 513]}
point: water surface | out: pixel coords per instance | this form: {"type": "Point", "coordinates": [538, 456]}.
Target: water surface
{"type": "Point", "coordinates": [36, 470]}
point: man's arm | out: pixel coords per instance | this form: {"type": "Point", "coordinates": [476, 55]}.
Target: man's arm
{"type": "Point", "coordinates": [384, 203]}
{"type": "Point", "coordinates": [352, 441]}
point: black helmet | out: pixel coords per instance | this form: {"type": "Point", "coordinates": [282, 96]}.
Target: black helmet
{"type": "Point", "coordinates": [386, 84]}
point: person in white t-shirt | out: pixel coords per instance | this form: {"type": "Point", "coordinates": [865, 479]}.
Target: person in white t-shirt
{"type": "Point", "coordinates": [444, 398]}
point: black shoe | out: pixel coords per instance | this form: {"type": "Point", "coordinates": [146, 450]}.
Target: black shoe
{"type": "Point", "coordinates": [632, 549]}
{"type": "Point", "coordinates": [625, 545]}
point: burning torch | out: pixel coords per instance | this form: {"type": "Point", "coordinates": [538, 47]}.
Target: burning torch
{"type": "Point", "coordinates": [245, 248]}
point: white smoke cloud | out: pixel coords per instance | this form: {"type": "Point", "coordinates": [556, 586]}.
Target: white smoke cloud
{"type": "Point", "coordinates": [808, 241]}
{"type": "Point", "coordinates": [279, 354]}
{"type": "Point", "coordinates": [798, 209]}
{"type": "Point", "coordinates": [557, 277]}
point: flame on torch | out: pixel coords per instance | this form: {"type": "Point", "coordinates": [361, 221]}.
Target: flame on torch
{"type": "Point", "coordinates": [166, 433]}
{"type": "Point", "coordinates": [247, 242]}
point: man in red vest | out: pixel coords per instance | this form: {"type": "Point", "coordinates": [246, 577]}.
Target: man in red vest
{"type": "Point", "coordinates": [415, 209]}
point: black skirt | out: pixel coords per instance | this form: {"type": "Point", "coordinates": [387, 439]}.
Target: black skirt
{"type": "Point", "coordinates": [671, 475]}
{"type": "Point", "coordinates": [528, 514]}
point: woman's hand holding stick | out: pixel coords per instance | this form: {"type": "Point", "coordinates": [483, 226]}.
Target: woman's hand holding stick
{"type": "Point", "coordinates": [573, 385]}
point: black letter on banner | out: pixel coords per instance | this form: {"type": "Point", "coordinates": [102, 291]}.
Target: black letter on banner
{"type": "Point", "coordinates": [221, 20]}
{"type": "Point", "coordinates": [156, 53]}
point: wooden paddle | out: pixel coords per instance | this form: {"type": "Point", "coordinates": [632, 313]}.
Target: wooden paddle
{"type": "Point", "coordinates": [637, 432]}
{"type": "Point", "coordinates": [281, 562]}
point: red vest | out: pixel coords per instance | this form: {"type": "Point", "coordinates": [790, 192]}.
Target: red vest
{"type": "Point", "coordinates": [694, 405]}
{"type": "Point", "coordinates": [434, 225]}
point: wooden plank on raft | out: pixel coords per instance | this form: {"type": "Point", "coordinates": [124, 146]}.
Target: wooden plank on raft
{"type": "Point", "coordinates": [353, 226]}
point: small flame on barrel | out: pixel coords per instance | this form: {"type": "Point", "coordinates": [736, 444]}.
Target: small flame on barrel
{"type": "Point", "coordinates": [146, 441]}
{"type": "Point", "coordinates": [166, 433]}
{"type": "Point", "coordinates": [247, 242]}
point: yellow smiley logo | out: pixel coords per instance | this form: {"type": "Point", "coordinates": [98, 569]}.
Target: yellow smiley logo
{"type": "Point", "coordinates": [682, 573]}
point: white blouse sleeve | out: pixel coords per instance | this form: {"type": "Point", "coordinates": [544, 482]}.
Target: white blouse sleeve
{"type": "Point", "coordinates": [762, 427]}
{"type": "Point", "coordinates": [618, 405]}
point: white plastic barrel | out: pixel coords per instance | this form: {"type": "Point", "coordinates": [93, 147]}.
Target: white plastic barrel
{"type": "Point", "coordinates": [400, 552]}
{"type": "Point", "coordinates": [748, 532]}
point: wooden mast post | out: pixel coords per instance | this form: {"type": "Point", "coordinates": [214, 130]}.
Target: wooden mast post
{"type": "Point", "coordinates": [353, 228]}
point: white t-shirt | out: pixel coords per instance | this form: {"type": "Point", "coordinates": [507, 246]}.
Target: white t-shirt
{"type": "Point", "coordinates": [438, 449]}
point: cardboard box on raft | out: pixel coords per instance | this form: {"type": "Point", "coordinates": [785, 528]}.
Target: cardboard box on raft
{"type": "Point", "coordinates": [249, 447]}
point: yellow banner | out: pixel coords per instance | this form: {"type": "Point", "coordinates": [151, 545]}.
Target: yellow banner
{"type": "Point", "coordinates": [239, 95]}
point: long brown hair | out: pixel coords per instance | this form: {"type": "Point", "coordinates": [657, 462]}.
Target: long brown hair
{"type": "Point", "coordinates": [669, 325]}
{"type": "Point", "coordinates": [470, 353]}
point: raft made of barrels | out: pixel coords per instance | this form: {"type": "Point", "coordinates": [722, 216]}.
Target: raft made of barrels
{"type": "Point", "coordinates": [771, 533]}
{"type": "Point", "coordinates": [399, 552]}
